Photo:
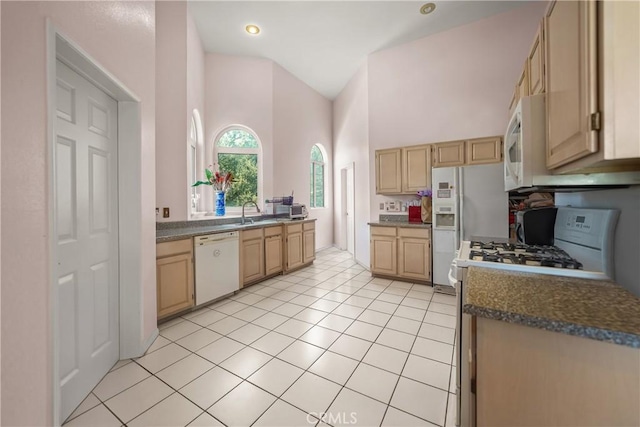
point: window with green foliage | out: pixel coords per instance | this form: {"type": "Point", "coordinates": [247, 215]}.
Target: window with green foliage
{"type": "Point", "coordinates": [317, 178]}
{"type": "Point", "coordinates": [238, 151]}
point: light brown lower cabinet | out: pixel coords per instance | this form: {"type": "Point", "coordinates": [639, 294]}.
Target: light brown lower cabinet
{"type": "Point", "coordinates": [174, 277]}
{"type": "Point", "coordinates": [252, 260]}
{"type": "Point", "coordinates": [400, 252]}
{"type": "Point", "coordinates": [532, 377]}
{"type": "Point", "coordinates": [309, 242]}
{"type": "Point", "coordinates": [273, 253]}
{"type": "Point", "coordinates": [414, 257]}
{"type": "Point", "coordinates": [299, 245]}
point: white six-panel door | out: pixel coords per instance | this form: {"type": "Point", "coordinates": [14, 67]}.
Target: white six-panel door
{"type": "Point", "coordinates": [86, 219]}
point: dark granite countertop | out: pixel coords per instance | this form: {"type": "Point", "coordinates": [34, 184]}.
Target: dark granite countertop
{"type": "Point", "coordinates": [599, 310]}
{"type": "Point", "coordinates": [400, 224]}
{"type": "Point", "coordinates": [192, 229]}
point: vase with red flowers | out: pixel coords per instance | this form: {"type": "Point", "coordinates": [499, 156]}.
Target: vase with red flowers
{"type": "Point", "coordinates": [221, 182]}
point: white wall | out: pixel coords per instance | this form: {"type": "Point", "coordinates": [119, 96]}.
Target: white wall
{"type": "Point", "coordinates": [195, 96]}
{"type": "Point", "coordinates": [287, 115]}
{"type": "Point", "coordinates": [627, 237]}
{"type": "Point", "coordinates": [301, 118]}
{"type": "Point", "coordinates": [121, 37]}
{"type": "Point", "coordinates": [239, 90]}
{"type": "Point", "coordinates": [351, 145]}
{"type": "Point", "coordinates": [171, 107]}
{"type": "Point", "coordinates": [452, 85]}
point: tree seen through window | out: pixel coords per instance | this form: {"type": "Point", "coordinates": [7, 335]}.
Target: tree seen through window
{"type": "Point", "coordinates": [317, 178]}
{"type": "Point", "coordinates": [237, 152]}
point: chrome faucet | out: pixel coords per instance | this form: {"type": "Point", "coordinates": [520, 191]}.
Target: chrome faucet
{"type": "Point", "coordinates": [245, 204]}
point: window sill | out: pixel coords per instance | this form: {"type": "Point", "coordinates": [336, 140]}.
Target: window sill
{"type": "Point", "coordinates": [201, 216]}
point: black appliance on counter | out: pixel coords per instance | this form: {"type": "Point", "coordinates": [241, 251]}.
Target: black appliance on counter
{"type": "Point", "coordinates": [535, 226]}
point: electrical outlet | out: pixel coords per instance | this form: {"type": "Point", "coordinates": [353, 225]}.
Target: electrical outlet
{"type": "Point", "coordinates": [165, 212]}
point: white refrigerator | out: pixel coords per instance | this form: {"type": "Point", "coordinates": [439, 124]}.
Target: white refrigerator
{"type": "Point", "coordinates": [467, 201]}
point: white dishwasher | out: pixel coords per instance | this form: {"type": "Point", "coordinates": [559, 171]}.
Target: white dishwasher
{"type": "Point", "coordinates": [217, 265]}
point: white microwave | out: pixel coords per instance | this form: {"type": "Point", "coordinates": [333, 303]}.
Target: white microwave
{"type": "Point", "coordinates": [525, 144]}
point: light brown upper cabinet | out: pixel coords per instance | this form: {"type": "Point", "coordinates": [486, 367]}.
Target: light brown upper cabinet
{"type": "Point", "coordinates": [571, 81]}
{"type": "Point", "coordinates": [447, 154]}
{"type": "Point", "coordinates": [619, 24]}
{"type": "Point", "coordinates": [514, 101]}
{"type": "Point", "coordinates": [481, 151]}
{"type": "Point", "coordinates": [174, 277]}
{"type": "Point", "coordinates": [535, 62]}
{"type": "Point", "coordinates": [389, 171]}
{"type": "Point", "coordinates": [416, 168]}
{"type": "Point", "coordinates": [523, 81]}
{"type": "Point", "coordinates": [403, 170]}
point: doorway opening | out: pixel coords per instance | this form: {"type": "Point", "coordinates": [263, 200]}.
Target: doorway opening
{"type": "Point", "coordinates": [95, 154]}
{"type": "Point", "coordinates": [348, 214]}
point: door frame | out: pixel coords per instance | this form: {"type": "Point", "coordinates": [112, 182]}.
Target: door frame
{"type": "Point", "coordinates": [344, 235]}
{"type": "Point", "coordinates": [131, 344]}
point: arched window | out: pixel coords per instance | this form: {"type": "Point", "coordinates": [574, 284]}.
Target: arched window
{"type": "Point", "coordinates": [238, 151]}
{"type": "Point", "coordinates": [193, 146]}
{"type": "Point", "coordinates": [317, 178]}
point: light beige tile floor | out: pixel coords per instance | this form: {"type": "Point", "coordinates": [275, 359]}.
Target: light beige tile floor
{"type": "Point", "coordinates": [327, 345]}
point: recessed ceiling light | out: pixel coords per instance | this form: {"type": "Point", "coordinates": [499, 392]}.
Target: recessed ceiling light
{"type": "Point", "coordinates": [427, 8]}
{"type": "Point", "coordinates": [252, 29]}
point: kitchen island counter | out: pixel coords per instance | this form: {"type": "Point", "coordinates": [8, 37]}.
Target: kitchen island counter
{"type": "Point", "coordinates": [599, 310]}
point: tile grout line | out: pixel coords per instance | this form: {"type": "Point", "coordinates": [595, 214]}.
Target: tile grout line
{"type": "Point", "coordinates": [357, 286]}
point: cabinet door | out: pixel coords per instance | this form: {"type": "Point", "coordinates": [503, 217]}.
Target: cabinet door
{"type": "Point", "coordinates": [447, 154]}
{"type": "Point", "coordinates": [414, 258]}
{"type": "Point", "coordinates": [523, 81]}
{"type": "Point", "coordinates": [294, 250]}
{"type": "Point", "coordinates": [384, 255]}
{"type": "Point", "coordinates": [174, 279]}
{"type": "Point", "coordinates": [252, 260]}
{"type": "Point", "coordinates": [536, 64]}
{"type": "Point", "coordinates": [273, 254]}
{"type": "Point", "coordinates": [416, 168]}
{"type": "Point", "coordinates": [309, 247]}
{"type": "Point", "coordinates": [388, 171]}
{"type": "Point", "coordinates": [571, 81]}
{"type": "Point", "coordinates": [481, 151]}
{"type": "Point", "coordinates": [514, 101]}
{"type": "Point", "coordinates": [619, 24]}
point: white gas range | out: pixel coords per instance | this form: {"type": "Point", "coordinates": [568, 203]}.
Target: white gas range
{"type": "Point", "coordinates": [583, 247]}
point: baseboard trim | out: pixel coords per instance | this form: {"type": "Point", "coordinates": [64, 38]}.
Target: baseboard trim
{"type": "Point", "coordinates": [149, 341]}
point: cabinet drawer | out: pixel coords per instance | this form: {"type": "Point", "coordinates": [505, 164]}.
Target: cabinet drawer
{"type": "Point", "coordinates": [294, 228]}
{"type": "Point", "coordinates": [273, 231]}
{"type": "Point", "coordinates": [309, 226]}
{"type": "Point", "coordinates": [383, 231]}
{"type": "Point", "coordinates": [417, 233]}
{"type": "Point", "coordinates": [252, 234]}
{"type": "Point", "coordinates": [173, 248]}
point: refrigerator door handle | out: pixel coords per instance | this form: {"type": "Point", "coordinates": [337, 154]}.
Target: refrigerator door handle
{"type": "Point", "coordinates": [460, 216]}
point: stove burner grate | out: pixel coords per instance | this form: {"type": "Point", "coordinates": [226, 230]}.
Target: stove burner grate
{"type": "Point", "coordinates": [507, 253]}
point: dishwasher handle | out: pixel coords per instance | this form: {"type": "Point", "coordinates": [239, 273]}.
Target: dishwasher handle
{"type": "Point", "coordinates": [215, 238]}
